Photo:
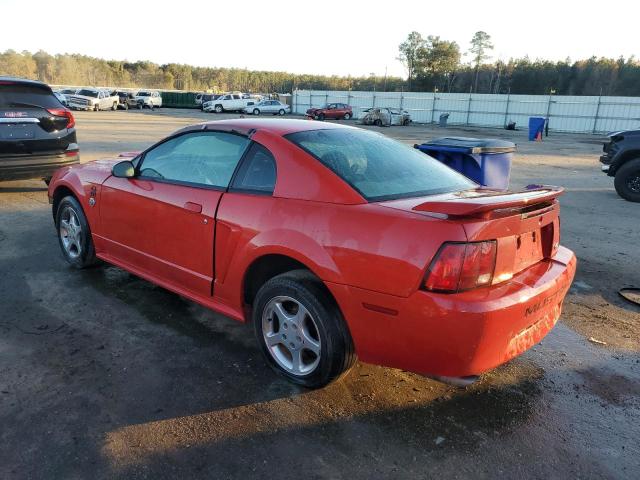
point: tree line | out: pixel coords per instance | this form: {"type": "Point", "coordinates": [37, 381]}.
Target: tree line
{"type": "Point", "coordinates": [432, 64]}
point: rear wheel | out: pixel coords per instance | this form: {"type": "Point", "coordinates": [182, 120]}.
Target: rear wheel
{"type": "Point", "coordinates": [377, 122]}
{"type": "Point", "coordinates": [256, 111]}
{"type": "Point", "coordinates": [627, 180]}
{"type": "Point", "coordinates": [74, 234]}
{"type": "Point", "coordinates": [301, 331]}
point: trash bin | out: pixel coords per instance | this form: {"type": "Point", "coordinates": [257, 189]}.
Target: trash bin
{"type": "Point", "coordinates": [536, 127]}
{"type": "Point", "coordinates": [486, 161]}
{"type": "Point", "coordinates": [443, 119]}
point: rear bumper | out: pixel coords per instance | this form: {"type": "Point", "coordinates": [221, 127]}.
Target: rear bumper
{"type": "Point", "coordinates": [461, 334]}
{"type": "Point", "coordinates": [34, 166]}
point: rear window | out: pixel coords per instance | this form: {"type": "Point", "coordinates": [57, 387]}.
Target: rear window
{"type": "Point", "coordinates": [25, 96]}
{"type": "Point", "coordinates": [377, 167]}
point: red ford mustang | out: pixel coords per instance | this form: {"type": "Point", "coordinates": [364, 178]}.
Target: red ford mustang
{"type": "Point", "coordinates": [333, 241]}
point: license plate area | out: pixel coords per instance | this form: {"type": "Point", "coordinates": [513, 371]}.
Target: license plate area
{"type": "Point", "coordinates": [16, 131]}
{"type": "Point", "coordinates": [529, 249]}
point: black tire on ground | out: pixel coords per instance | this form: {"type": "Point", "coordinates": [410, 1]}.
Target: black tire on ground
{"type": "Point", "coordinates": [347, 116]}
{"type": "Point", "coordinates": [337, 353]}
{"type": "Point", "coordinates": [321, 116]}
{"type": "Point", "coordinates": [114, 107]}
{"type": "Point", "coordinates": [627, 180]}
{"type": "Point", "coordinates": [140, 106]}
{"type": "Point", "coordinates": [281, 112]}
{"type": "Point", "coordinates": [87, 256]}
{"type": "Point", "coordinates": [126, 106]}
{"type": "Point", "coordinates": [256, 111]}
{"type": "Point", "coordinates": [377, 122]}
{"type": "Point", "coordinates": [96, 108]}
{"type": "Point", "coordinates": [219, 109]}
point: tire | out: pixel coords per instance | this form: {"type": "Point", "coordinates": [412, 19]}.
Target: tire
{"type": "Point", "coordinates": [377, 122]}
{"type": "Point", "coordinates": [114, 107]}
{"type": "Point", "coordinates": [256, 111]}
{"type": "Point", "coordinates": [47, 180]}
{"type": "Point", "coordinates": [126, 107]}
{"type": "Point", "coordinates": [627, 180]}
{"type": "Point", "coordinates": [140, 106]}
{"type": "Point", "coordinates": [406, 122]}
{"type": "Point", "coordinates": [281, 112]}
{"type": "Point", "coordinates": [219, 109]}
{"type": "Point", "coordinates": [322, 328]}
{"type": "Point", "coordinates": [77, 248]}
{"type": "Point", "coordinates": [96, 108]}
{"type": "Point", "coordinates": [347, 116]}
{"type": "Point", "coordinates": [321, 117]}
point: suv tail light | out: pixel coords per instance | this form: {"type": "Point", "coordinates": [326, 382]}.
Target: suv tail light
{"type": "Point", "coordinates": [462, 266]}
{"type": "Point", "coordinates": [63, 112]}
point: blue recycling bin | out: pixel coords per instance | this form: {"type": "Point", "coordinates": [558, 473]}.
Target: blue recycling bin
{"type": "Point", "coordinates": [485, 161]}
{"type": "Point", "coordinates": [536, 126]}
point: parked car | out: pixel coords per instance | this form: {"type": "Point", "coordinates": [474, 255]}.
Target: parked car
{"type": "Point", "coordinates": [621, 160]}
{"type": "Point", "coordinates": [93, 99]}
{"type": "Point", "coordinates": [391, 255]}
{"type": "Point", "coordinates": [268, 106]}
{"type": "Point", "coordinates": [385, 116]}
{"type": "Point", "coordinates": [68, 91]}
{"type": "Point", "coordinates": [124, 99]}
{"type": "Point", "coordinates": [37, 133]}
{"type": "Point", "coordinates": [61, 97]}
{"type": "Point", "coordinates": [147, 99]}
{"type": "Point", "coordinates": [207, 101]}
{"type": "Point", "coordinates": [230, 102]}
{"type": "Point", "coordinates": [333, 111]}
{"type": "Point", "coordinates": [198, 99]}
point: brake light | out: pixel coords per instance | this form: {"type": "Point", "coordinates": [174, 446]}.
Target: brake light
{"type": "Point", "coordinates": [462, 266]}
{"type": "Point", "coordinates": [63, 112]}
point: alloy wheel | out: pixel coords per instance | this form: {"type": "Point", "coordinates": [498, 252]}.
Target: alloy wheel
{"type": "Point", "coordinates": [291, 335]}
{"type": "Point", "coordinates": [70, 232]}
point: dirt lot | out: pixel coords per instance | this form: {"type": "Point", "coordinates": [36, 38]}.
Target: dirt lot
{"type": "Point", "coordinates": [103, 375]}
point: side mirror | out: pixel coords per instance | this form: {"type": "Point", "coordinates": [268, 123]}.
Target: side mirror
{"type": "Point", "coordinates": [124, 169]}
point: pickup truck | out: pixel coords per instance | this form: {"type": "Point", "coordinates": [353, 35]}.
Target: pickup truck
{"type": "Point", "coordinates": [231, 102]}
{"type": "Point", "coordinates": [621, 160]}
{"type": "Point", "coordinates": [146, 99]}
{"type": "Point", "coordinates": [93, 99]}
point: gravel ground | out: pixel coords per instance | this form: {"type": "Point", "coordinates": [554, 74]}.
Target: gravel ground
{"type": "Point", "coordinates": [103, 375]}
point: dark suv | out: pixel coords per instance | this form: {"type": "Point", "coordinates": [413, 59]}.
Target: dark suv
{"type": "Point", "coordinates": [621, 160]}
{"type": "Point", "coordinates": [37, 134]}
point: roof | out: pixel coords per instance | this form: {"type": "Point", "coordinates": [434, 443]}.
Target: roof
{"type": "Point", "coordinates": [276, 126]}
{"type": "Point", "coordinates": [25, 81]}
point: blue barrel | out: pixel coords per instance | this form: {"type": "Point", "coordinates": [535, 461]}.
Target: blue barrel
{"type": "Point", "coordinates": [485, 161]}
{"type": "Point", "coordinates": [536, 126]}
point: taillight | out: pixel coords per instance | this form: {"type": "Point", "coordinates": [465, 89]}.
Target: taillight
{"type": "Point", "coordinates": [462, 266]}
{"type": "Point", "coordinates": [63, 112]}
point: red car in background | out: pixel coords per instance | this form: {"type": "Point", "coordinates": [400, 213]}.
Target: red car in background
{"type": "Point", "coordinates": [331, 111]}
{"type": "Point", "coordinates": [331, 240]}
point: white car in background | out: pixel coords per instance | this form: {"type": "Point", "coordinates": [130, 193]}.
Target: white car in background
{"type": "Point", "coordinates": [93, 99]}
{"type": "Point", "coordinates": [268, 106]}
{"type": "Point", "coordinates": [61, 97]}
{"type": "Point", "coordinates": [146, 99]}
{"type": "Point", "coordinates": [229, 102]}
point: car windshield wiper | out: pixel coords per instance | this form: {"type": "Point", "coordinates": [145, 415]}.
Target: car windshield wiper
{"type": "Point", "coordinates": [23, 104]}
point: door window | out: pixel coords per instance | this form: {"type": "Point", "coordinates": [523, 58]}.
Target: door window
{"type": "Point", "coordinates": [257, 172]}
{"type": "Point", "coordinates": [202, 158]}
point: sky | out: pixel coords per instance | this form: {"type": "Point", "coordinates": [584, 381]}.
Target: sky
{"type": "Point", "coordinates": [321, 37]}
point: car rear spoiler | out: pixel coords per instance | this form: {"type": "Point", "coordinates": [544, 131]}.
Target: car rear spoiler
{"type": "Point", "coordinates": [484, 204]}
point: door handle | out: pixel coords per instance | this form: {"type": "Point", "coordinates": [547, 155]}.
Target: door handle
{"type": "Point", "coordinates": [193, 207]}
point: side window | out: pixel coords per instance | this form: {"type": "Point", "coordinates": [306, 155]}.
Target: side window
{"type": "Point", "coordinates": [257, 172]}
{"type": "Point", "coordinates": [203, 158]}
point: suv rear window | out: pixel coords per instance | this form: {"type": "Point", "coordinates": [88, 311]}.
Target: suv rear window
{"type": "Point", "coordinates": [25, 96]}
{"type": "Point", "coordinates": [377, 167]}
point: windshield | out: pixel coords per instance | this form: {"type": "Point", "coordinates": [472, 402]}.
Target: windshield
{"type": "Point", "coordinates": [144, 94]}
{"type": "Point", "coordinates": [377, 167]}
{"type": "Point", "coordinates": [88, 93]}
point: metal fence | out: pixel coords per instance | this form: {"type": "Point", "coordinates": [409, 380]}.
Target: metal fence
{"type": "Point", "coordinates": [579, 114]}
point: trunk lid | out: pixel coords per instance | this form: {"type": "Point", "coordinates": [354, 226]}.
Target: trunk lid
{"type": "Point", "coordinates": [525, 225]}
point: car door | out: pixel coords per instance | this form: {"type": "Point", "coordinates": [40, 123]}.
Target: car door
{"type": "Point", "coordinates": [161, 223]}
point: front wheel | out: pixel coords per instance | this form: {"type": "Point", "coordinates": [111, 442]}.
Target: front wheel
{"type": "Point", "coordinates": [627, 180]}
{"type": "Point", "coordinates": [74, 234]}
{"type": "Point", "coordinates": [377, 122]}
{"type": "Point", "coordinates": [96, 108]}
{"type": "Point", "coordinates": [321, 117]}
{"type": "Point", "coordinates": [256, 111]}
{"type": "Point", "coordinates": [218, 108]}
{"type": "Point", "coordinates": [281, 112]}
{"type": "Point", "coordinates": [114, 107]}
{"type": "Point", "coordinates": [301, 331]}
